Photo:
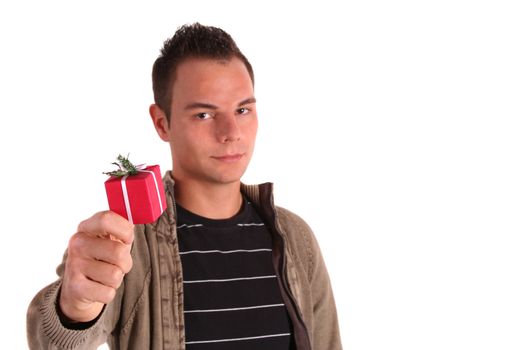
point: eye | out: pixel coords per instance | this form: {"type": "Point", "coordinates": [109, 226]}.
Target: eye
{"type": "Point", "coordinates": [243, 110]}
{"type": "Point", "coordinates": [202, 116]}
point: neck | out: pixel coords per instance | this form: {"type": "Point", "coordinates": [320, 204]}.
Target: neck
{"type": "Point", "coordinates": [211, 201]}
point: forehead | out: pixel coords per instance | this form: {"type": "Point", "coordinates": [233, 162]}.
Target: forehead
{"type": "Point", "coordinates": [207, 78]}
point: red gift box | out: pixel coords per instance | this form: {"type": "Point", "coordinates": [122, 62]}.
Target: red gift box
{"type": "Point", "coordinates": [139, 198]}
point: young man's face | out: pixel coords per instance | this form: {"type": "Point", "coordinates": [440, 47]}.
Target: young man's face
{"type": "Point", "coordinates": [213, 121]}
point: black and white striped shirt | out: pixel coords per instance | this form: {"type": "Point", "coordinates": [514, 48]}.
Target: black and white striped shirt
{"type": "Point", "coordinates": [231, 294]}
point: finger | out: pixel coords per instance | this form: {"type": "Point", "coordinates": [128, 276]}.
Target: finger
{"type": "Point", "coordinates": [108, 223]}
{"type": "Point", "coordinates": [103, 273]}
{"type": "Point", "coordinates": [101, 249]}
{"type": "Point", "coordinates": [88, 291]}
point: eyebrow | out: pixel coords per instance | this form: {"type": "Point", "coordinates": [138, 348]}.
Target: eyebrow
{"type": "Point", "coordinates": [196, 105]}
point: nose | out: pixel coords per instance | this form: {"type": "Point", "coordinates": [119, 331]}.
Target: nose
{"type": "Point", "coordinates": [228, 129]}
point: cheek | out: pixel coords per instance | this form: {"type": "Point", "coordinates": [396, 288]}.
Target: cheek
{"type": "Point", "coordinates": [192, 142]}
{"type": "Point", "coordinates": [251, 129]}
{"type": "Point", "coordinates": [254, 128]}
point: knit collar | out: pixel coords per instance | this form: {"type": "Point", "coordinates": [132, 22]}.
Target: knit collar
{"type": "Point", "coordinates": [260, 194]}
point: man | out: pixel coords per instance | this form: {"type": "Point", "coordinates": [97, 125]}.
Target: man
{"type": "Point", "coordinates": [222, 268]}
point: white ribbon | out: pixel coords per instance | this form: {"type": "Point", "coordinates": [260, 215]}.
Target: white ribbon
{"type": "Point", "coordinates": [140, 168]}
{"type": "Point", "coordinates": [126, 199]}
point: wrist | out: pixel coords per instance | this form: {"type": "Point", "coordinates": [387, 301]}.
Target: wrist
{"type": "Point", "coordinates": [73, 317]}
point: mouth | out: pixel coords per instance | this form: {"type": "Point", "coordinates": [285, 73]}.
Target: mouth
{"type": "Point", "coordinates": [229, 158]}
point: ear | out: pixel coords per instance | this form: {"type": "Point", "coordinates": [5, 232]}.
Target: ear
{"type": "Point", "coordinates": [160, 122]}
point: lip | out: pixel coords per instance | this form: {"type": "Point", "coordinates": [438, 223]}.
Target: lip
{"type": "Point", "coordinates": [229, 158]}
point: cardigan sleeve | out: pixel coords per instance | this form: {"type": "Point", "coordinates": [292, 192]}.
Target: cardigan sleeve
{"type": "Point", "coordinates": [326, 328]}
{"type": "Point", "coordinates": [45, 329]}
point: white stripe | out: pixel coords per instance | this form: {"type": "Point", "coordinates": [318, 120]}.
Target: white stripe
{"type": "Point", "coordinates": [189, 226]}
{"type": "Point", "coordinates": [231, 279]}
{"type": "Point", "coordinates": [252, 224]}
{"type": "Point", "coordinates": [234, 308]}
{"type": "Point", "coordinates": [236, 339]}
{"type": "Point", "coordinates": [226, 251]}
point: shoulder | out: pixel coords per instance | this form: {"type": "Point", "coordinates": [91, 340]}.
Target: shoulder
{"type": "Point", "coordinates": [299, 237]}
{"type": "Point", "coordinates": [293, 223]}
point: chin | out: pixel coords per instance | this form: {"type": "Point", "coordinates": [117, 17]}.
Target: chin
{"type": "Point", "coordinates": [226, 179]}
{"type": "Point", "coordinates": [231, 175]}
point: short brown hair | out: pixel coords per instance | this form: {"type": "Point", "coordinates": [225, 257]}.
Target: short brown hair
{"type": "Point", "coordinates": [190, 41]}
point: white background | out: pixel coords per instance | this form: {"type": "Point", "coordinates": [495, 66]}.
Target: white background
{"type": "Point", "coordinates": [394, 128]}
